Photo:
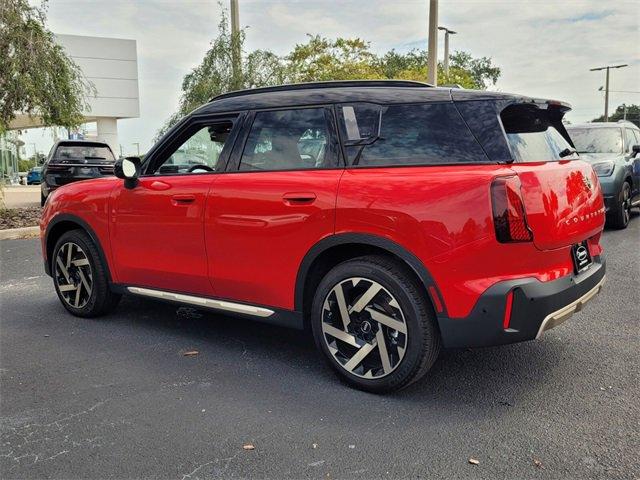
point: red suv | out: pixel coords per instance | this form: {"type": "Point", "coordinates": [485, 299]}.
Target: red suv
{"type": "Point", "coordinates": [391, 217]}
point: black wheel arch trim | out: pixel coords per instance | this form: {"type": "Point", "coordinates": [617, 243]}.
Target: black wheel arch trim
{"type": "Point", "coordinates": [375, 241]}
{"type": "Point", "coordinates": [67, 217]}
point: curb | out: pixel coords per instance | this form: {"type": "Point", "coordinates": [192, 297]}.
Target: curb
{"type": "Point", "coordinates": [24, 232]}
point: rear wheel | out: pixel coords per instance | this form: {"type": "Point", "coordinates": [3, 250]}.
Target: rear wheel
{"type": "Point", "coordinates": [374, 324]}
{"type": "Point", "coordinates": [42, 199]}
{"type": "Point", "coordinates": [620, 218]}
{"type": "Point", "coordinates": [80, 277]}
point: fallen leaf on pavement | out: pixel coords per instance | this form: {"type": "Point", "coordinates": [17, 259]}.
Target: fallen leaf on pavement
{"type": "Point", "coordinates": [191, 353]}
{"type": "Point", "coordinates": [248, 446]}
{"type": "Point", "coordinates": [537, 463]}
{"type": "Point", "coordinates": [473, 461]}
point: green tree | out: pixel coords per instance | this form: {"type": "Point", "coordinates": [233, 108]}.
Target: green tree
{"type": "Point", "coordinates": [633, 114]}
{"type": "Point", "coordinates": [36, 76]}
{"type": "Point", "coordinates": [321, 59]}
{"type": "Point", "coordinates": [482, 70]}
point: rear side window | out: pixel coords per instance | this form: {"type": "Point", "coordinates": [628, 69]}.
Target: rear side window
{"type": "Point", "coordinates": [290, 140]}
{"type": "Point", "coordinates": [532, 137]}
{"type": "Point", "coordinates": [418, 134]}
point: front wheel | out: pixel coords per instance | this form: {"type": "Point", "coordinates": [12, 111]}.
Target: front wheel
{"type": "Point", "coordinates": [621, 217]}
{"type": "Point", "coordinates": [80, 276]}
{"type": "Point", "coordinates": [374, 324]}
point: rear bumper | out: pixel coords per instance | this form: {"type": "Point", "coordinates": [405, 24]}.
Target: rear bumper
{"type": "Point", "coordinates": [536, 307]}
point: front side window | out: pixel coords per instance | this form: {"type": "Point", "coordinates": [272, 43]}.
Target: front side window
{"type": "Point", "coordinates": [199, 153]}
{"type": "Point", "coordinates": [533, 136]}
{"type": "Point", "coordinates": [417, 134]}
{"type": "Point", "coordinates": [289, 140]}
{"type": "Point", "coordinates": [596, 139]}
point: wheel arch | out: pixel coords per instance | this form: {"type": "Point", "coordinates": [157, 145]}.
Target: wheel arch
{"type": "Point", "coordinates": [332, 250]}
{"type": "Point", "coordinates": [63, 223]}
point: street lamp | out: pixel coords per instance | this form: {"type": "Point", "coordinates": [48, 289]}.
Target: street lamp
{"type": "Point", "coordinates": [447, 32]}
{"type": "Point", "coordinates": [606, 88]}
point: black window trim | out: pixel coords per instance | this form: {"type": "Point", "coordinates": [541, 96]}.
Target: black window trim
{"type": "Point", "coordinates": [184, 130]}
{"type": "Point", "coordinates": [233, 165]}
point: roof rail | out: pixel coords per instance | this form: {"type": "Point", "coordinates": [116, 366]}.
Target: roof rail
{"type": "Point", "coordinates": [330, 84]}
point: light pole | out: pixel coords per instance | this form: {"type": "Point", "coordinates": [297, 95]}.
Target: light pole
{"type": "Point", "coordinates": [235, 45]}
{"type": "Point", "coordinates": [606, 87]}
{"type": "Point", "coordinates": [432, 61]}
{"type": "Point", "coordinates": [447, 32]}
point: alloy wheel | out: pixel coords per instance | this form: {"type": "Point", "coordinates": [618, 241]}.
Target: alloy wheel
{"type": "Point", "coordinates": [73, 275]}
{"type": "Point", "coordinates": [364, 328]}
{"type": "Point", "coordinates": [626, 203]}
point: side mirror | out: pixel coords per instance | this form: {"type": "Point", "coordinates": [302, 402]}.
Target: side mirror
{"type": "Point", "coordinates": [128, 169]}
{"type": "Point", "coordinates": [635, 150]}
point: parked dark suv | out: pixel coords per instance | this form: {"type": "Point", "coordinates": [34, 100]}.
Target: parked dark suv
{"type": "Point", "coordinates": [73, 160]}
{"type": "Point", "coordinates": [612, 148]}
{"type": "Point", "coordinates": [390, 217]}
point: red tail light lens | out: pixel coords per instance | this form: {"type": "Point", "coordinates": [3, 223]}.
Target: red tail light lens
{"type": "Point", "coordinates": [509, 217]}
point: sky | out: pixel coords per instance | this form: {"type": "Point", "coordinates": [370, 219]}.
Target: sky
{"type": "Point", "coordinates": [545, 48]}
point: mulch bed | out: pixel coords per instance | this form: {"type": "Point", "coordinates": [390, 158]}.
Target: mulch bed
{"type": "Point", "coordinates": [19, 217]}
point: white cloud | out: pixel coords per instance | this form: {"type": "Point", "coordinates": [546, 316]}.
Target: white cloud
{"type": "Point", "coordinates": [545, 48]}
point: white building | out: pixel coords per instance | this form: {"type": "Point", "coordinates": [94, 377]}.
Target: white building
{"type": "Point", "coordinates": [111, 65]}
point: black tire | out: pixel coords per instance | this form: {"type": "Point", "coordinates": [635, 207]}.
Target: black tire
{"type": "Point", "coordinates": [100, 300]}
{"type": "Point", "coordinates": [42, 199]}
{"type": "Point", "coordinates": [620, 218]}
{"type": "Point", "coordinates": [422, 340]}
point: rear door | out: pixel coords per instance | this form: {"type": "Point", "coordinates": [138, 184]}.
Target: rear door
{"type": "Point", "coordinates": [276, 200]}
{"type": "Point", "coordinates": [561, 193]}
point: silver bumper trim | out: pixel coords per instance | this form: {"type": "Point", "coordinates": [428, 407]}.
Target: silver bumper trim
{"type": "Point", "coordinates": [203, 302]}
{"type": "Point", "coordinates": [559, 316]}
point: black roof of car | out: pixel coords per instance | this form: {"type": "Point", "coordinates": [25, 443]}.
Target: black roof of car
{"type": "Point", "coordinates": [374, 91]}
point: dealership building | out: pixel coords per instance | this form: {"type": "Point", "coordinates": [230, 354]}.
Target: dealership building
{"type": "Point", "coordinates": [111, 65]}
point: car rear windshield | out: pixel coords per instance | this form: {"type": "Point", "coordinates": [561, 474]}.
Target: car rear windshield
{"type": "Point", "coordinates": [416, 134]}
{"type": "Point", "coordinates": [597, 139]}
{"type": "Point", "coordinates": [533, 136]}
{"type": "Point", "coordinates": [97, 152]}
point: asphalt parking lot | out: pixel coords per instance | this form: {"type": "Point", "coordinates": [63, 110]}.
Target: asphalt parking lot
{"type": "Point", "coordinates": [116, 398]}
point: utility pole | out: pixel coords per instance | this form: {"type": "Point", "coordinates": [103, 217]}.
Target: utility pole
{"type": "Point", "coordinates": [447, 32]}
{"type": "Point", "coordinates": [432, 61]}
{"type": "Point", "coordinates": [236, 54]}
{"type": "Point", "coordinates": [606, 87]}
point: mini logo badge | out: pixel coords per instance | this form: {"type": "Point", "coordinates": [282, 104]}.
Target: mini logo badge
{"type": "Point", "coordinates": [582, 253]}
{"type": "Point", "coordinates": [587, 182]}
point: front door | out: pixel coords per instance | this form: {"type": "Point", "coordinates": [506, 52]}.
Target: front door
{"type": "Point", "coordinates": [276, 200]}
{"type": "Point", "coordinates": [157, 233]}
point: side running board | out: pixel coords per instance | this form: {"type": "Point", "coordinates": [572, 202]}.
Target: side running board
{"type": "Point", "coordinates": [203, 302]}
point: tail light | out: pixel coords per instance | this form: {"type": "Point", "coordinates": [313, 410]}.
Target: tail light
{"type": "Point", "coordinates": [509, 217]}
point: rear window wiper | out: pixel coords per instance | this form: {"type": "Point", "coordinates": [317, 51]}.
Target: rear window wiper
{"type": "Point", "coordinates": [566, 152]}
{"type": "Point", "coordinates": [95, 158]}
